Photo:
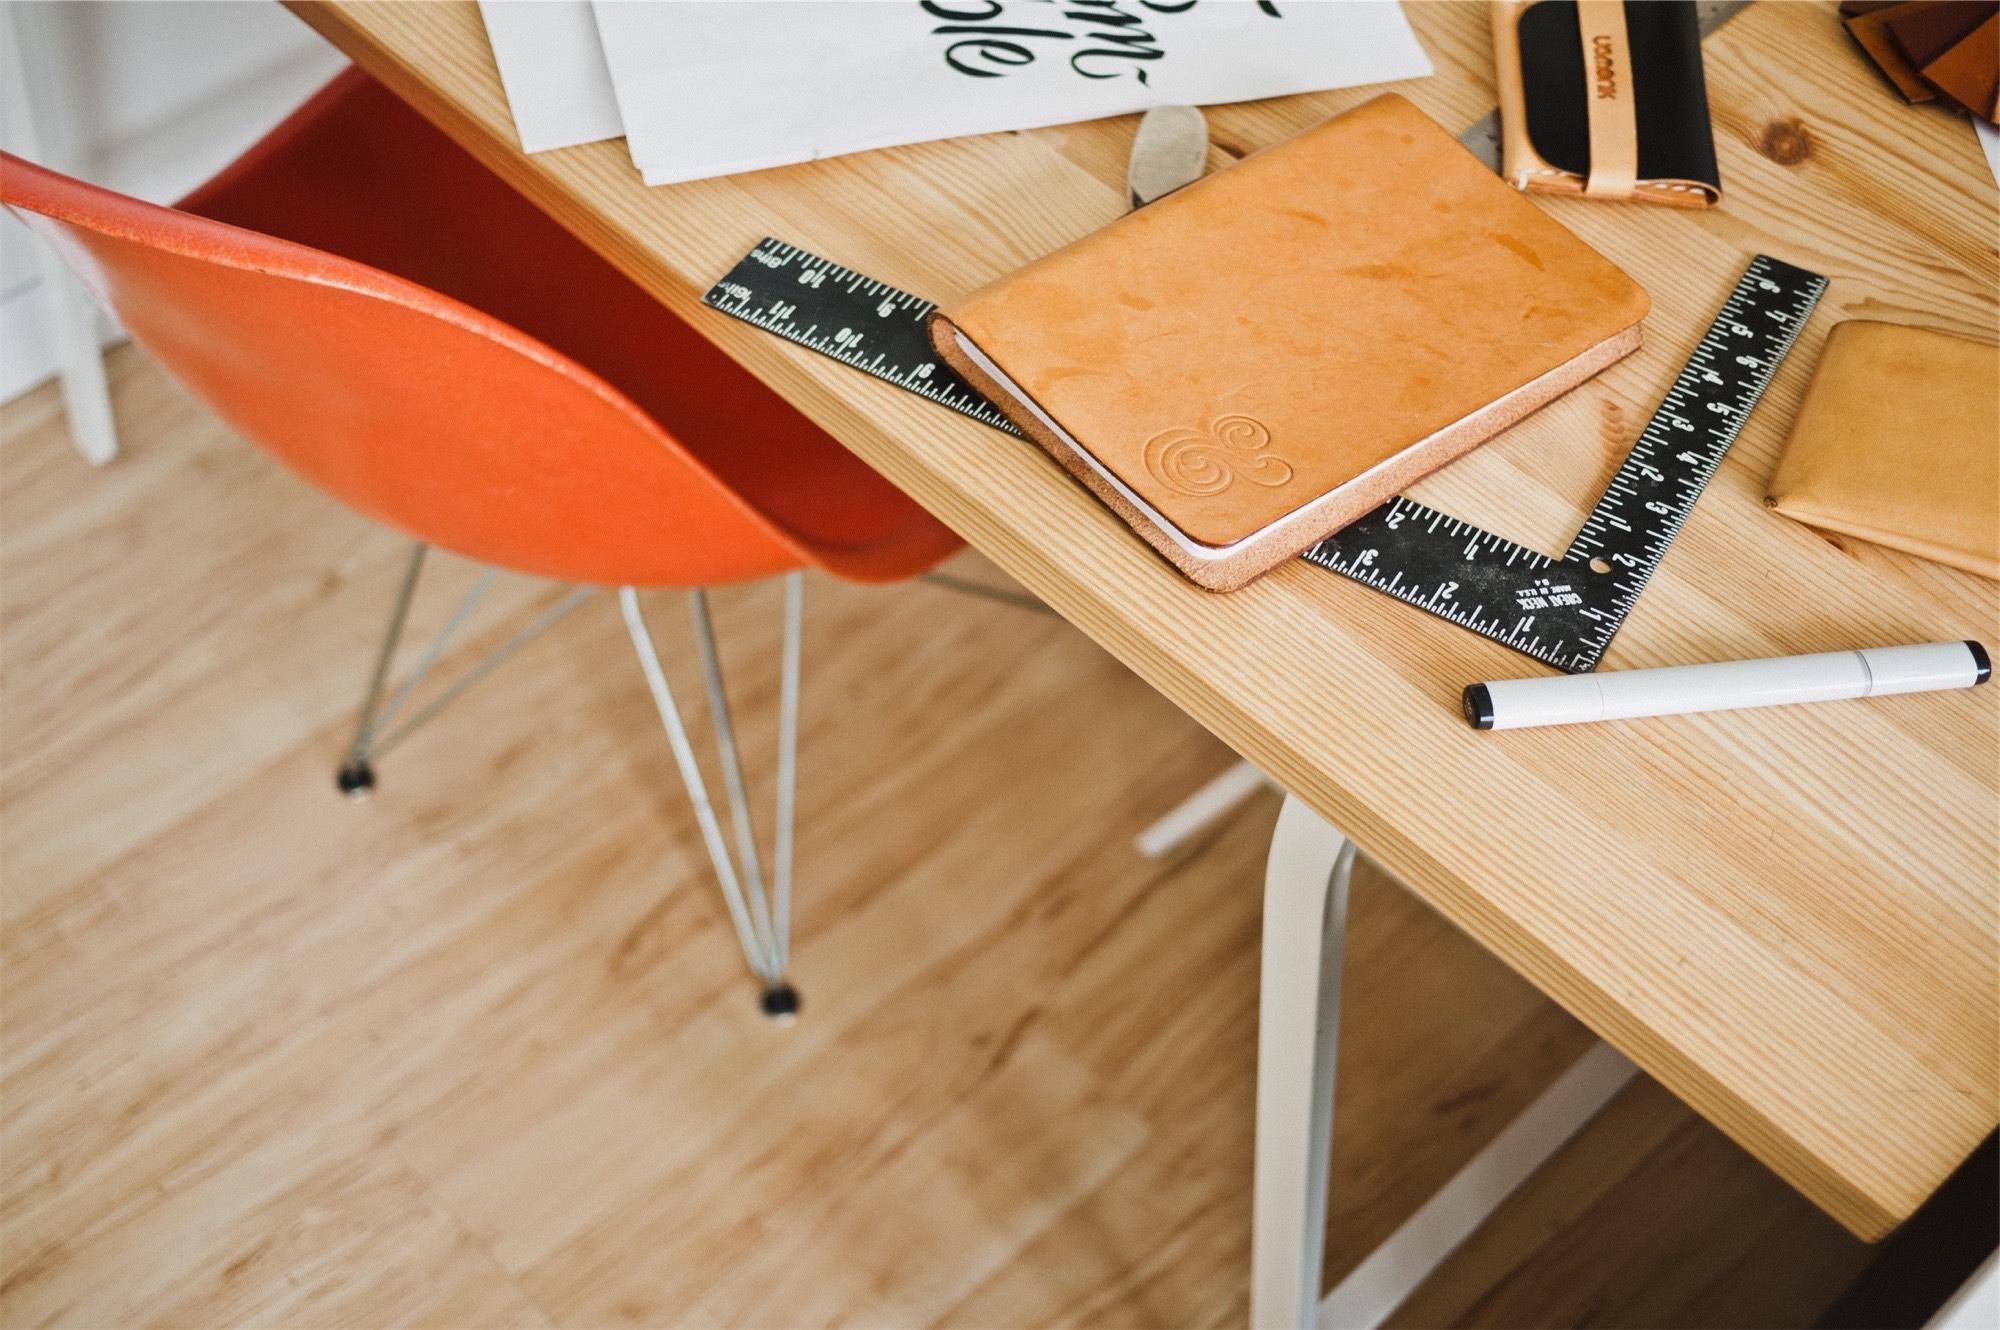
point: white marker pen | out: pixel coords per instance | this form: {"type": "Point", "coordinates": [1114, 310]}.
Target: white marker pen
{"type": "Point", "coordinates": [1569, 699]}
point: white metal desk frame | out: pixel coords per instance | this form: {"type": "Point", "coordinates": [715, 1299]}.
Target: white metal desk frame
{"type": "Point", "coordinates": [1298, 1024]}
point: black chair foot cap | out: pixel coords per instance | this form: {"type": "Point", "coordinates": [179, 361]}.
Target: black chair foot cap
{"type": "Point", "coordinates": [780, 1003]}
{"type": "Point", "coordinates": [356, 780]}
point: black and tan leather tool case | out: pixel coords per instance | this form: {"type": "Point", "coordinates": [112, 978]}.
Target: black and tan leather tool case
{"type": "Point", "coordinates": [1605, 98]}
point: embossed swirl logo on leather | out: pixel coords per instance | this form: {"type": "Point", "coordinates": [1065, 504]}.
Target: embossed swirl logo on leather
{"type": "Point", "coordinates": [1203, 462]}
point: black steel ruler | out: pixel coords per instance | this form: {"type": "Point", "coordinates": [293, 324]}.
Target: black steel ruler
{"type": "Point", "coordinates": [854, 319]}
{"type": "Point", "coordinates": [1561, 610]}
{"type": "Point", "coordinates": [1565, 610]}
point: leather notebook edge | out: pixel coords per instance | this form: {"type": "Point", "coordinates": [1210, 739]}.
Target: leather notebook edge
{"type": "Point", "coordinates": [1315, 520]}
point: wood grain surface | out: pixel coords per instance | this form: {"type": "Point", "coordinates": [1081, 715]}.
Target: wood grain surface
{"type": "Point", "coordinates": [481, 1051]}
{"type": "Point", "coordinates": [1788, 917]}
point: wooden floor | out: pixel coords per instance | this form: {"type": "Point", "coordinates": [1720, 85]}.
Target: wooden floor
{"type": "Point", "coordinates": [480, 1051]}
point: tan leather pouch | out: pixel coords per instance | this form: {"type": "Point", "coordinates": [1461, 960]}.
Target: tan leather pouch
{"type": "Point", "coordinates": [1898, 443]}
{"type": "Point", "coordinates": [1605, 98]}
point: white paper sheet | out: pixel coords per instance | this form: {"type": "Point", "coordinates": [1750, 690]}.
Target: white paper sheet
{"type": "Point", "coordinates": [553, 69]}
{"type": "Point", "coordinates": [711, 87]}
{"type": "Point", "coordinates": [1989, 143]}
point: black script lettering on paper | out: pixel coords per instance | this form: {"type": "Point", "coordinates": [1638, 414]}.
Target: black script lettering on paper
{"type": "Point", "coordinates": [1099, 39]}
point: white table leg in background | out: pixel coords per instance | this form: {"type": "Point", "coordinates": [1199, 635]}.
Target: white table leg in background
{"type": "Point", "coordinates": [71, 320]}
{"type": "Point", "coordinates": [1298, 1019]}
{"type": "Point", "coordinates": [69, 316]}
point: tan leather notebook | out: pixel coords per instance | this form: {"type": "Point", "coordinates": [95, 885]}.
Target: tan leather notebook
{"type": "Point", "coordinates": [1244, 367]}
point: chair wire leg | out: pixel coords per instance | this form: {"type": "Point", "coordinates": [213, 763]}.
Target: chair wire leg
{"type": "Point", "coordinates": [376, 733]}
{"type": "Point", "coordinates": [704, 810]}
{"type": "Point", "coordinates": [788, 771]}
{"type": "Point", "coordinates": [434, 652]}
{"type": "Point", "coordinates": [356, 778]}
{"type": "Point", "coordinates": [501, 654]}
{"type": "Point", "coordinates": [732, 776]}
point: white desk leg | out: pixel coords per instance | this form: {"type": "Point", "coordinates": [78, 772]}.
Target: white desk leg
{"type": "Point", "coordinates": [1298, 1019]}
{"type": "Point", "coordinates": [1298, 1022]}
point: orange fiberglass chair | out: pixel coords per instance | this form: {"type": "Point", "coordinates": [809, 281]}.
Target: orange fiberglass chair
{"type": "Point", "coordinates": [362, 298]}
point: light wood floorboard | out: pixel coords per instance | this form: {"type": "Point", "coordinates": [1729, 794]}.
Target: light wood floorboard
{"type": "Point", "coordinates": [479, 1052]}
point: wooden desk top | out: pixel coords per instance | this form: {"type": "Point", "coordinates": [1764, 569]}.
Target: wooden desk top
{"type": "Point", "coordinates": [1787, 916]}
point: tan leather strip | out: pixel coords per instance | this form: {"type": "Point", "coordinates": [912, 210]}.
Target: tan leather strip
{"type": "Point", "coordinates": [1607, 88]}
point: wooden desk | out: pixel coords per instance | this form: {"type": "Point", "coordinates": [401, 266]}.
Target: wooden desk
{"type": "Point", "coordinates": [1788, 917]}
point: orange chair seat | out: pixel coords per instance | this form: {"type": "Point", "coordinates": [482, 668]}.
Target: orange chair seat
{"type": "Point", "coordinates": [321, 179]}
{"type": "Point", "coordinates": [363, 298]}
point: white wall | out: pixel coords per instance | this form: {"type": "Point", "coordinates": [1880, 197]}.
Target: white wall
{"type": "Point", "coordinates": [148, 97]}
